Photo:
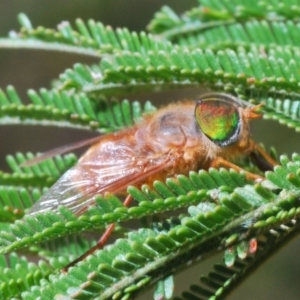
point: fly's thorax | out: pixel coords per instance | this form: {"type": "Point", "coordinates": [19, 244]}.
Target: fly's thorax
{"type": "Point", "coordinates": [172, 126]}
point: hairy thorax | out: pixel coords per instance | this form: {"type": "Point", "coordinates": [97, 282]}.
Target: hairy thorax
{"type": "Point", "coordinates": [175, 133]}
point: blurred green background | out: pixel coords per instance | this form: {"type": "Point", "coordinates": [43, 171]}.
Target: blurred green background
{"type": "Point", "coordinates": [278, 278]}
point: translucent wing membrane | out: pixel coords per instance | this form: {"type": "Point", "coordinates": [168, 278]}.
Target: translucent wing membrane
{"type": "Point", "coordinates": [59, 151]}
{"type": "Point", "coordinates": [111, 168]}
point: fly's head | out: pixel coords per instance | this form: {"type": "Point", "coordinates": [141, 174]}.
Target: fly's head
{"type": "Point", "coordinates": [224, 121]}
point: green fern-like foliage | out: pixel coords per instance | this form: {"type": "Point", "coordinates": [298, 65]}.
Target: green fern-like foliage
{"type": "Point", "coordinates": [245, 48]}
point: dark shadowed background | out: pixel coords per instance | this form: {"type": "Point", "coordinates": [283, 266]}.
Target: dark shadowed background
{"type": "Point", "coordinates": [278, 278]}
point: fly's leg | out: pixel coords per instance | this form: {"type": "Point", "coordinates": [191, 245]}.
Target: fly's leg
{"type": "Point", "coordinates": [100, 243]}
{"type": "Point", "coordinates": [221, 162]}
{"type": "Point", "coordinates": [261, 158]}
{"type": "Point", "coordinates": [257, 154]}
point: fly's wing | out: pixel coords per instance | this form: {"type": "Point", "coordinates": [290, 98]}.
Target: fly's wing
{"type": "Point", "coordinates": [60, 150]}
{"type": "Point", "coordinates": [66, 191]}
{"type": "Point", "coordinates": [109, 166]}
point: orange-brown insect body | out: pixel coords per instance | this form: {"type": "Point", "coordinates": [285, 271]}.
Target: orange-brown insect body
{"type": "Point", "coordinates": [161, 145]}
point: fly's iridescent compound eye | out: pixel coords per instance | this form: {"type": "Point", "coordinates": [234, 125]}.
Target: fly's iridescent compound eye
{"type": "Point", "coordinates": [218, 119]}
